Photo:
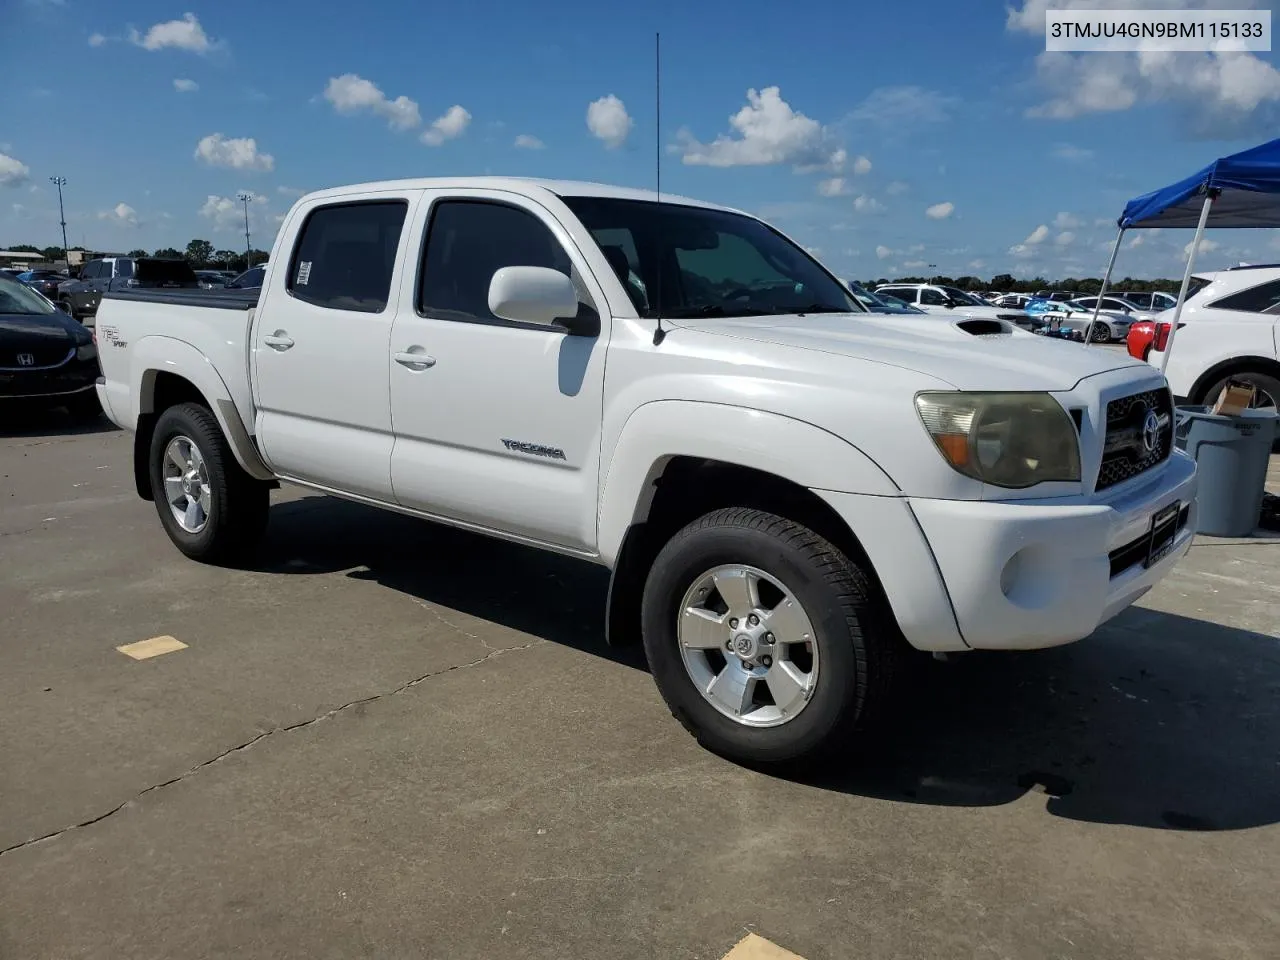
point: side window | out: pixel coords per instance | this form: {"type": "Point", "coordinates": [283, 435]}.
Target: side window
{"type": "Point", "coordinates": [619, 247]}
{"type": "Point", "coordinates": [90, 271]}
{"type": "Point", "coordinates": [1254, 300]}
{"type": "Point", "coordinates": [468, 241]}
{"type": "Point", "coordinates": [345, 255]}
{"type": "Point", "coordinates": [932, 297]}
{"type": "Point", "coordinates": [1109, 304]}
{"type": "Point", "coordinates": [124, 268]}
{"type": "Point", "coordinates": [732, 262]}
{"type": "Point", "coordinates": [1087, 303]}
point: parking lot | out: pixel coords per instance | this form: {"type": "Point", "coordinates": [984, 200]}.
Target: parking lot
{"type": "Point", "coordinates": [396, 740]}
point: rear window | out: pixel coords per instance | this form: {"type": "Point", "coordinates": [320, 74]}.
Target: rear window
{"type": "Point", "coordinates": [346, 255]}
{"type": "Point", "coordinates": [162, 271]}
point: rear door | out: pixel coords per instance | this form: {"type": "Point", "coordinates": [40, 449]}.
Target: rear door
{"type": "Point", "coordinates": [321, 340]}
{"type": "Point", "coordinates": [497, 423]}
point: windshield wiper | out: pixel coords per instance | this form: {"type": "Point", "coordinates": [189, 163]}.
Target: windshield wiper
{"type": "Point", "coordinates": [715, 310]}
{"type": "Point", "coordinates": [819, 308]}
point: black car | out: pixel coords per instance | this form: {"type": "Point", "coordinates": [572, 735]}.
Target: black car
{"type": "Point", "coordinates": [45, 356]}
{"type": "Point", "coordinates": [249, 280]}
{"type": "Point", "coordinates": [46, 281]}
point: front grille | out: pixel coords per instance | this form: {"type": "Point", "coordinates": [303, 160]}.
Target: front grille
{"type": "Point", "coordinates": [1125, 452]}
{"type": "Point", "coordinates": [39, 356]}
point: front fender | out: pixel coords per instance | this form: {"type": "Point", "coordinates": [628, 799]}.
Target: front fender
{"type": "Point", "coordinates": [785, 447]}
{"type": "Point", "coordinates": [153, 355]}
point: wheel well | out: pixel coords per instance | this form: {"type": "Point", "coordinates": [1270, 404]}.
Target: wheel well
{"type": "Point", "coordinates": [1227, 368]}
{"type": "Point", "coordinates": [163, 391]}
{"type": "Point", "coordinates": [687, 488]}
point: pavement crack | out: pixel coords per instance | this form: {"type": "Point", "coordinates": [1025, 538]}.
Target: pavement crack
{"type": "Point", "coordinates": [286, 728]}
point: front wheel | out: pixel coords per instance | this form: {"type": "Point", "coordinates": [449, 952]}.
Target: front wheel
{"type": "Point", "coordinates": [768, 643]}
{"type": "Point", "coordinates": [212, 510]}
{"type": "Point", "coordinates": [1101, 333]}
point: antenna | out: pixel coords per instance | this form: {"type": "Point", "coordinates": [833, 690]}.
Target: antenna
{"type": "Point", "coordinates": [658, 334]}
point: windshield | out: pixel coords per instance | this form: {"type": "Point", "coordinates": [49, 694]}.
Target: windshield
{"type": "Point", "coordinates": [706, 263]}
{"type": "Point", "coordinates": [20, 299]}
{"type": "Point", "coordinates": [961, 297]}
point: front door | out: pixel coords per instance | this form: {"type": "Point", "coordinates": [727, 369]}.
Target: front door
{"type": "Point", "coordinates": [497, 424]}
{"type": "Point", "coordinates": [320, 343]}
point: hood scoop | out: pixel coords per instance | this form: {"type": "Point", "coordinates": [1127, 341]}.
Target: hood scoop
{"type": "Point", "coordinates": [982, 327]}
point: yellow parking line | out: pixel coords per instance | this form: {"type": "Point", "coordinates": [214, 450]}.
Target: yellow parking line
{"type": "Point", "coordinates": [752, 947]}
{"type": "Point", "coordinates": [145, 649]}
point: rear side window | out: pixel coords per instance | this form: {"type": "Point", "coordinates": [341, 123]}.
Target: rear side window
{"type": "Point", "coordinates": [345, 255]}
{"type": "Point", "coordinates": [933, 298]}
{"type": "Point", "coordinates": [124, 269]}
{"type": "Point", "coordinates": [91, 270]}
{"type": "Point", "coordinates": [1254, 300]}
{"type": "Point", "coordinates": [467, 243]}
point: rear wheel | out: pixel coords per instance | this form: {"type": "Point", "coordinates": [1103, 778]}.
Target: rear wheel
{"type": "Point", "coordinates": [1101, 333]}
{"type": "Point", "coordinates": [1266, 397]}
{"type": "Point", "coordinates": [212, 510]}
{"type": "Point", "coordinates": [768, 644]}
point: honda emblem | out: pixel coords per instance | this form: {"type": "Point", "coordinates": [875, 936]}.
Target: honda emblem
{"type": "Point", "coordinates": [26, 360]}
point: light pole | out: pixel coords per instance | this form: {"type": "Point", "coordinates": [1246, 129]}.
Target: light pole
{"type": "Point", "coordinates": [66, 254]}
{"type": "Point", "coordinates": [245, 198]}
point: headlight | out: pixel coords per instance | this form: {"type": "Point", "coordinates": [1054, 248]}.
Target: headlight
{"type": "Point", "coordinates": [86, 351]}
{"type": "Point", "coordinates": [1005, 439]}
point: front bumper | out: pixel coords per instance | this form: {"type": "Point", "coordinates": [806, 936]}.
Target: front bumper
{"type": "Point", "coordinates": [1038, 573]}
{"type": "Point", "coordinates": [67, 379]}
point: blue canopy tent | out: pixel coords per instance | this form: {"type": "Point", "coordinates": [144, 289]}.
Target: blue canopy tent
{"type": "Point", "coordinates": [1239, 191]}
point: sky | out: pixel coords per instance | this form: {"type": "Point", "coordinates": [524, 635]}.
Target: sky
{"type": "Point", "coordinates": [915, 137]}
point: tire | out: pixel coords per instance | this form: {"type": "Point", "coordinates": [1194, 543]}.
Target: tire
{"type": "Point", "coordinates": [1266, 384]}
{"type": "Point", "coordinates": [235, 505]}
{"type": "Point", "coordinates": [857, 643]}
{"type": "Point", "coordinates": [1101, 333]}
{"type": "Point", "coordinates": [71, 310]}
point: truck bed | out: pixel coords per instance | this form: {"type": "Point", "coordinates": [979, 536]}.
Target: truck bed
{"type": "Point", "coordinates": [221, 299]}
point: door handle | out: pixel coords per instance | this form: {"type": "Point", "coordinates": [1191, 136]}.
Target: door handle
{"type": "Point", "coordinates": [279, 341]}
{"type": "Point", "coordinates": [414, 361]}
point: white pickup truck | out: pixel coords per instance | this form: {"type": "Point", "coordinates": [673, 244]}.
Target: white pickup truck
{"type": "Point", "coordinates": [790, 492]}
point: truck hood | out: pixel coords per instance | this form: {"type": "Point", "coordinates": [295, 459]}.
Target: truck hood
{"type": "Point", "coordinates": [934, 346]}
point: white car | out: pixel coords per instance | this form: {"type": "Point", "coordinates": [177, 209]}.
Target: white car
{"type": "Point", "coordinates": [951, 301]}
{"type": "Point", "coordinates": [791, 492]}
{"type": "Point", "coordinates": [1078, 315]}
{"type": "Point", "coordinates": [1229, 329]}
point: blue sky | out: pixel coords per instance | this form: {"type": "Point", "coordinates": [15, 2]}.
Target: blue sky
{"type": "Point", "coordinates": [922, 136]}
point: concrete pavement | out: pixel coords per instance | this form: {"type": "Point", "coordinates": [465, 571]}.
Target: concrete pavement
{"type": "Point", "coordinates": [393, 739]}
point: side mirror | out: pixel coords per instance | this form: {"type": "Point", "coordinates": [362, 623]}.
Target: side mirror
{"type": "Point", "coordinates": [532, 295]}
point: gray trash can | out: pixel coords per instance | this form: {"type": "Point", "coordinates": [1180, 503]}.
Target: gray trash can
{"type": "Point", "coordinates": [1231, 454]}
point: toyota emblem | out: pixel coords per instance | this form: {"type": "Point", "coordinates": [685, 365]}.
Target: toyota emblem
{"type": "Point", "coordinates": [1151, 431]}
{"type": "Point", "coordinates": [26, 360]}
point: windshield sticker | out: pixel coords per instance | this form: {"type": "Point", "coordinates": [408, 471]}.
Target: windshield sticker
{"type": "Point", "coordinates": [304, 272]}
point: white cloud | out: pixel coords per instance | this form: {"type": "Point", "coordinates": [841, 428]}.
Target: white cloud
{"type": "Point", "coordinates": [96, 39]}
{"type": "Point", "coordinates": [940, 211]}
{"type": "Point", "coordinates": [1037, 235]}
{"type": "Point", "coordinates": [351, 93]}
{"type": "Point", "coordinates": [1022, 251]}
{"type": "Point", "coordinates": [861, 165]}
{"type": "Point", "coordinates": [608, 120]}
{"type": "Point", "coordinates": [12, 171]}
{"type": "Point", "coordinates": [767, 131]}
{"type": "Point", "coordinates": [904, 105]}
{"type": "Point", "coordinates": [896, 188]}
{"type": "Point", "coordinates": [289, 191]}
{"type": "Point", "coordinates": [977, 264]}
{"type": "Point", "coordinates": [833, 187]}
{"type": "Point", "coordinates": [184, 34]}
{"type": "Point", "coordinates": [1066, 221]}
{"type": "Point", "coordinates": [1206, 246]}
{"type": "Point", "coordinates": [865, 204]}
{"type": "Point", "coordinates": [1065, 238]}
{"type": "Point", "coordinates": [914, 264]}
{"type": "Point", "coordinates": [227, 213]}
{"type": "Point", "coordinates": [238, 153]}
{"type": "Point", "coordinates": [528, 141]}
{"type": "Point", "coordinates": [1137, 241]}
{"type": "Point", "coordinates": [1070, 152]}
{"type": "Point", "coordinates": [448, 126]}
{"type": "Point", "coordinates": [883, 252]}
{"type": "Point", "coordinates": [121, 213]}
{"type": "Point", "coordinates": [185, 86]}
{"type": "Point", "coordinates": [916, 248]}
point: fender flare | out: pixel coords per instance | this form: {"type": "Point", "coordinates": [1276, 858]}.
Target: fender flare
{"type": "Point", "coordinates": [657, 431]}
{"type": "Point", "coordinates": [153, 355]}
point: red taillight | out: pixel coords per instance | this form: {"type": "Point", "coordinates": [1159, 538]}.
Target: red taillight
{"type": "Point", "coordinates": [1162, 336]}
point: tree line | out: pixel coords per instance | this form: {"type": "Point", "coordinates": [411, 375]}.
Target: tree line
{"type": "Point", "coordinates": [199, 253]}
